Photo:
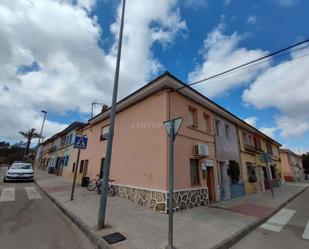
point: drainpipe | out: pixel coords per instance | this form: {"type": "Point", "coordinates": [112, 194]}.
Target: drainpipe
{"type": "Point", "coordinates": [239, 150]}
{"type": "Point", "coordinates": [167, 139]}
{"type": "Point", "coordinates": [220, 183]}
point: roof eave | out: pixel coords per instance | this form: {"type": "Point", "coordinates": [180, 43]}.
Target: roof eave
{"type": "Point", "coordinates": [168, 80]}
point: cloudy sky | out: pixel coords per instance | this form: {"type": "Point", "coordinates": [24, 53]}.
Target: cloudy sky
{"type": "Point", "coordinates": [59, 55]}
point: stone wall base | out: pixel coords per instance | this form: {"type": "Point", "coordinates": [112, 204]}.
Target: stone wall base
{"type": "Point", "coordinates": [157, 200]}
{"type": "Point", "coordinates": [190, 198]}
{"type": "Point", "coordinates": [147, 198]}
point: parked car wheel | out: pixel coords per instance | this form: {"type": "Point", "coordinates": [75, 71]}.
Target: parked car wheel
{"type": "Point", "coordinates": [4, 180]}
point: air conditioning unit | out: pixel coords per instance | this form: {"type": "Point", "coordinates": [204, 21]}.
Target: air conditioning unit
{"type": "Point", "coordinates": [201, 150]}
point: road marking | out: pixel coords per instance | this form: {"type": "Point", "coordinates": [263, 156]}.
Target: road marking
{"type": "Point", "coordinates": [306, 232]}
{"type": "Point", "coordinates": [8, 194]}
{"type": "Point", "coordinates": [277, 222]}
{"type": "Point", "coordinates": [32, 193]}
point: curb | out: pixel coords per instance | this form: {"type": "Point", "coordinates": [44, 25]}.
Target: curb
{"type": "Point", "coordinates": [94, 238]}
{"type": "Point", "coordinates": [228, 242]}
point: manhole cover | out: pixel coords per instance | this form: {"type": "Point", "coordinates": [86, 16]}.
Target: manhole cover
{"type": "Point", "coordinates": [114, 238]}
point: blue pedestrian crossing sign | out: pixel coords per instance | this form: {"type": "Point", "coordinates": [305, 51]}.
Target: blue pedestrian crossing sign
{"type": "Point", "coordinates": [80, 142]}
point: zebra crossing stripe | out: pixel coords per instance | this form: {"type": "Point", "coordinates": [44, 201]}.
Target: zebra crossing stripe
{"type": "Point", "coordinates": [32, 193]}
{"type": "Point", "coordinates": [8, 194]}
{"type": "Point", "coordinates": [306, 232]}
{"type": "Point", "coordinates": [278, 221]}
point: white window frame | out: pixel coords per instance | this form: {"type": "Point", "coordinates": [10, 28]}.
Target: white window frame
{"type": "Point", "coordinates": [191, 118]}
{"type": "Point", "coordinates": [227, 131]}
{"type": "Point", "coordinates": [104, 132]}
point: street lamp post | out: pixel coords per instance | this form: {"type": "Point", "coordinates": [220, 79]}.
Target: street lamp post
{"type": "Point", "coordinates": [172, 128]}
{"type": "Point", "coordinates": [41, 132]}
{"type": "Point", "coordinates": [108, 155]}
{"type": "Point", "coordinates": [38, 150]}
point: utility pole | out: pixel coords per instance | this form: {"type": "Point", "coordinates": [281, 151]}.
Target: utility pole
{"type": "Point", "coordinates": [108, 155]}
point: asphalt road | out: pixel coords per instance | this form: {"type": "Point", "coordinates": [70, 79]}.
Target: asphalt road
{"type": "Point", "coordinates": [29, 220]}
{"type": "Point", "coordinates": [287, 229]}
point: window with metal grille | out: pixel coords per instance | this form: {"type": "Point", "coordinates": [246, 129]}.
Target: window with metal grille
{"type": "Point", "coordinates": [194, 172]}
{"type": "Point", "coordinates": [251, 172]}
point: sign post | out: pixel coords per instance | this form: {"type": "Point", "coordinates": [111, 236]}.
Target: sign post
{"type": "Point", "coordinates": [267, 158]}
{"type": "Point", "coordinates": [172, 127]}
{"type": "Point", "coordinates": [80, 142]}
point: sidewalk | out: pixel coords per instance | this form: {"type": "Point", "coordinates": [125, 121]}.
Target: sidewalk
{"type": "Point", "coordinates": [200, 228]}
{"type": "Point", "coordinates": [260, 204]}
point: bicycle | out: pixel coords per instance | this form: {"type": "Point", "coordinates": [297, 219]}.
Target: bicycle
{"type": "Point", "coordinates": [97, 184]}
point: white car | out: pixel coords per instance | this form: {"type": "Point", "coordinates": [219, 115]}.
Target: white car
{"type": "Point", "coordinates": [19, 171]}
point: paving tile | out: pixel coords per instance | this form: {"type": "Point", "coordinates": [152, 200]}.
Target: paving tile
{"type": "Point", "coordinates": [251, 209]}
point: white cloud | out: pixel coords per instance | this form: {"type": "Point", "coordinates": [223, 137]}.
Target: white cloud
{"type": "Point", "coordinates": [269, 131]}
{"type": "Point", "coordinates": [286, 3]}
{"type": "Point", "coordinates": [87, 4]}
{"type": "Point", "coordinates": [252, 19]}
{"type": "Point", "coordinates": [299, 150]}
{"type": "Point", "coordinates": [284, 86]}
{"type": "Point", "coordinates": [292, 126]}
{"type": "Point", "coordinates": [195, 4]}
{"type": "Point", "coordinates": [227, 2]}
{"type": "Point", "coordinates": [62, 38]}
{"type": "Point", "coordinates": [146, 23]}
{"type": "Point", "coordinates": [251, 121]}
{"type": "Point", "coordinates": [222, 52]}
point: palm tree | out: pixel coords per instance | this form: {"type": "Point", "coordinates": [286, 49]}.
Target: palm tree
{"type": "Point", "coordinates": [29, 134]}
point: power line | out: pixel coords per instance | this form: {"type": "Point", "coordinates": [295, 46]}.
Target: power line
{"type": "Point", "coordinates": [264, 61]}
{"type": "Point", "coordinates": [224, 79]}
{"type": "Point", "coordinates": [246, 64]}
{"type": "Point", "coordinates": [250, 62]}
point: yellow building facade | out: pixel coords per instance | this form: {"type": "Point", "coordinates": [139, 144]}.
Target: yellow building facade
{"type": "Point", "coordinates": [255, 173]}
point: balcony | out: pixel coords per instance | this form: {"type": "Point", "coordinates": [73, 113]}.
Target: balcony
{"type": "Point", "coordinates": [253, 149]}
{"type": "Point", "coordinates": [52, 149]}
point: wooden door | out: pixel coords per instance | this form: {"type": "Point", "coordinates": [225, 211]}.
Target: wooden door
{"type": "Point", "coordinates": [85, 168]}
{"type": "Point", "coordinates": [211, 184]}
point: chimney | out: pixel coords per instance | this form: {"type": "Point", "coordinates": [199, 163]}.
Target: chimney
{"type": "Point", "coordinates": [104, 108]}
